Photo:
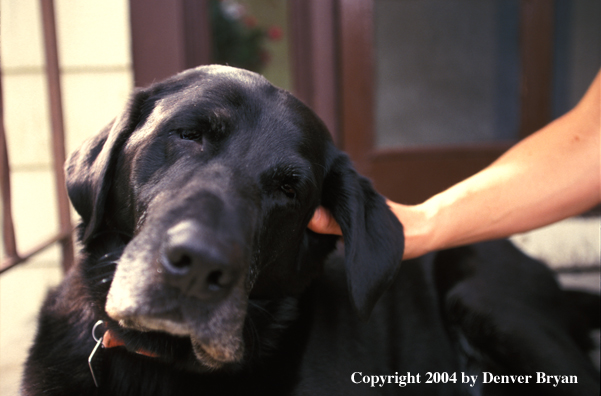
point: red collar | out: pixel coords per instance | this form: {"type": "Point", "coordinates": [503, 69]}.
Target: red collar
{"type": "Point", "coordinates": [112, 340]}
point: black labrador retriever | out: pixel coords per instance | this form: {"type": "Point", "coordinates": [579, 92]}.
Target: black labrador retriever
{"type": "Point", "coordinates": [198, 276]}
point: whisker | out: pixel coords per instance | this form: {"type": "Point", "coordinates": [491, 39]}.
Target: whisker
{"type": "Point", "coordinates": [261, 309]}
{"type": "Point", "coordinates": [105, 264]}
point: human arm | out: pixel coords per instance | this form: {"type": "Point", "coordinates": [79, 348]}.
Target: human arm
{"type": "Point", "coordinates": [552, 174]}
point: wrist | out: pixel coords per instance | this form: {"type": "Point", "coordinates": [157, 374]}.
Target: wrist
{"type": "Point", "coordinates": [418, 228]}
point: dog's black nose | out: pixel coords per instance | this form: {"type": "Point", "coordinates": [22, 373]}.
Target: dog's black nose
{"type": "Point", "coordinates": [196, 264]}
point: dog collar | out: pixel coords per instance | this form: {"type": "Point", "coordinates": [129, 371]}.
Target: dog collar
{"type": "Point", "coordinates": [112, 340]}
{"type": "Point", "coordinates": [109, 339]}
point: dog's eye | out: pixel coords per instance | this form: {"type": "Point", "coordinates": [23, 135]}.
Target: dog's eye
{"type": "Point", "coordinates": [288, 190]}
{"type": "Point", "coordinates": [189, 134]}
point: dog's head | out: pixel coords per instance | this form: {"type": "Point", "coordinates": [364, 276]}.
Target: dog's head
{"type": "Point", "coordinates": [208, 180]}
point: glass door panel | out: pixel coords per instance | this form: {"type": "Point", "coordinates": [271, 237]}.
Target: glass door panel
{"type": "Point", "coordinates": [447, 72]}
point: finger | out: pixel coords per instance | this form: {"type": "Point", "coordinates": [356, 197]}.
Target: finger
{"type": "Point", "coordinates": [323, 222]}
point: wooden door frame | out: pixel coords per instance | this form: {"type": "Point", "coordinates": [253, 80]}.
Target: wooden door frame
{"type": "Point", "coordinates": [168, 36]}
{"type": "Point", "coordinates": [412, 175]}
{"type": "Point", "coordinates": [315, 58]}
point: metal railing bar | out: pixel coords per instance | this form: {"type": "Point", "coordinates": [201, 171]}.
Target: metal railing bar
{"type": "Point", "coordinates": [58, 135]}
{"type": "Point", "coordinates": [10, 262]}
{"type": "Point", "coordinates": [8, 230]}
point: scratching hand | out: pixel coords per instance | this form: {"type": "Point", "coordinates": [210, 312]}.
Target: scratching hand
{"type": "Point", "coordinates": [324, 223]}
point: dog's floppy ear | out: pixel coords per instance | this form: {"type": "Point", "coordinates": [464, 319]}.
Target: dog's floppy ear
{"type": "Point", "coordinates": [89, 169]}
{"type": "Point", "coordinates": [373, 236]}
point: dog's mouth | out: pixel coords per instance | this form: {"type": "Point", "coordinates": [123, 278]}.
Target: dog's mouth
{"type": "Point", "coordinates": [216, 341]}
{"type": "Point", "coordinates": [215, 329]}
{"type": "Point", "coordinates": [212, 350]}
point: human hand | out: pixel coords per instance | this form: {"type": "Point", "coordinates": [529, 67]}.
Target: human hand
{"type": "Point", "coordinates": [323, 222]}
{"type": "Point", "coordinates": [413, 219]}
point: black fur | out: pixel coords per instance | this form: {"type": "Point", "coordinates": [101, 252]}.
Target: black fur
{"type": "Point", "coordinates": [194, 205]}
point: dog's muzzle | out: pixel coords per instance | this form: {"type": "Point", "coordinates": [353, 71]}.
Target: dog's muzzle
{"type": "Point", "coordinates": [192, 284]}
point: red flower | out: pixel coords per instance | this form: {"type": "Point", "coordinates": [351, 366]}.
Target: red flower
{"type": "Point", "coordinates": [275, 33]}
